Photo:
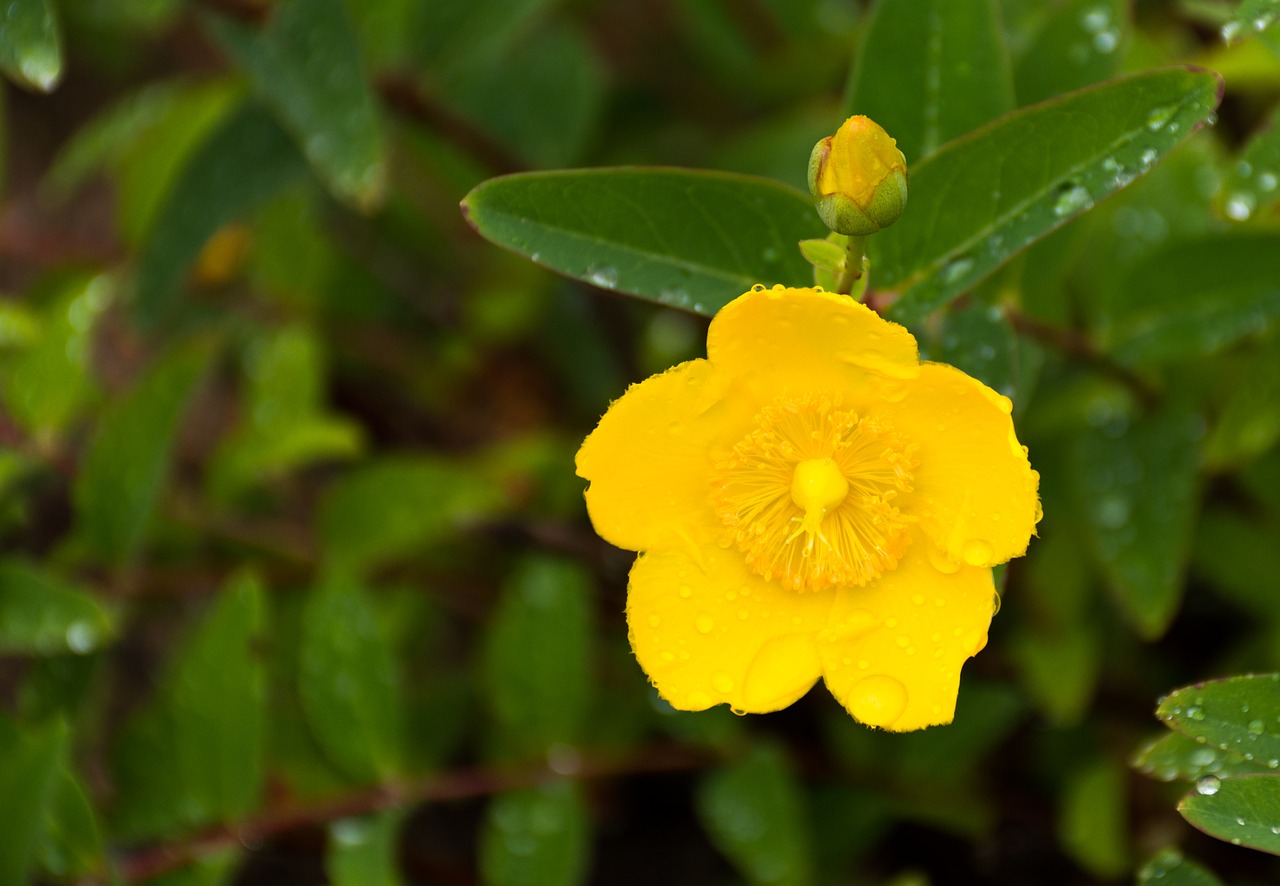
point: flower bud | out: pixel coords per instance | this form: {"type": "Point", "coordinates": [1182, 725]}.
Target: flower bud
{"type": "Point", "coordinates": [858, 178]}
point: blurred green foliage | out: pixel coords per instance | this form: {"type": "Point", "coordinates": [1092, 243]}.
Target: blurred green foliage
{"type": "Point", "coordinates": [296, 580]}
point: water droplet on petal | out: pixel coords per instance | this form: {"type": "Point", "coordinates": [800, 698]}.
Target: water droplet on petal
{"type": "Point", "coordinates": [877, 700]}
{"type": "Point", "coordinates": [704, 623]}
{"type": "Point", "coordinates": [699, 700]}
{"type": "Point", "coordinates": [977, 552]}
{"type": "Point", "coordinates": [759, 287]}
{"type": "Point", "coordinates": [722, 683]}
{"type": "Point", "coordinates": [686, 591]}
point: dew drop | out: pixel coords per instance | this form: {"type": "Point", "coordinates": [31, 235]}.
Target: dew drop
{"type": "Point", "coordinates": [1071, 199]}
{"type": "Point", "coordinates": [1159, 117]}
{"type": "Point", "coordinates": [1267, 181]}
{"type": "Point", "coordinates": [977, 552]}
{"type": "Point", "coordinates": [1230, 31]}
{"type": "Point", "coordinates": [699, 700]}
{"type": "Point", "coordinates": [654, 621]}
{"type": "Point", "coordinates": [877, 700]}
{"type": "Point", "coordinates": [954, 271]}
{"type": "Point", "coordinates": [604, 276]}
{"type": "Point", "coordinates": [1256, 727]}
{"type": "Point", "coordinates": [1195, 713]}
{"type": "Point", "coordinates": [722, 683]}
{"type": "Point", "coordinates": [704, 623]}
{"type": "Point", "coordinates": [686, 591]}
{"type": "Point", "coordinates": [1240, 206]}
{"type": "Point", "coordinates": [759, 287]}
{"type": "Point", "coordinates": [81, 637]}
{"type": "Point", "coordinates": [1208, 785]}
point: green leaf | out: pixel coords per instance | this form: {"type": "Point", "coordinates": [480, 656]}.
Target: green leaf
{"type": "Point", "coordinates": [1252, 16]}
{"type": "Point", "coordinates": [1177, 757]}
{"type": "Point", "coordinates": [1092, 827]}
{"type": "Point", "coordinates": [691, 240]}
{"type": "Point", "coordinates": [71, 844]}
{"type": "Point", "coordinates": [145, 139]}
{"type": "Point", "coordinates": [536, 837]}
{"type": "Point", "coordinates": [1237, 714]}
{"type": "Point", "coordinates": [194, 755]}
{"type": "Point", "coordinates": [128, 457]}
{"type": "Point", "coordinates": [1244, 811]}
{"type": "Point", "coordinates": [753, 810]}
{"type": "Point", "coordinates": [1135, 487]}
{"type": "Point", "coordinates": [1169, 868]}
{"type": "Point", "coordinates": [1194, 298]}
{"type": "Point", "coordinates": [284, 426]}
{"type": "Point", "coordinates": [40, 615]}
{"type": "Point", "coordinates": [395, 506]}
{"type": "Point", "coordinates": [30, 50]}
{"type": "Point", "coordinates": [978, 339]}
{"type": "Point", "coordinates": [244, 162]}
{"type": "Point", "coordinates": [29, 761]}
{"type": "Point", "coordinates": [46, 383]}
{"type": "Point", "coordinates": [348, 683]}
{"type": "Point", "coordinates": [306, 65]}
{"type": "Point", "coordinates": [1253, 184]}
{"type": "Point", "coordinates": [917, 72]}
{"type": "Point", "coordinates": [363, 852]}
{"type": "Point", "coordinates": [554, 70]}
{"type": "Point", "coordinates": [1231, 550]}
{"type": "Point", "coordinates": [1248, 421]}
{"type": "Point", "coordinates": [537, 658]}
{"type": "Point", "coordinates": [983, 198]}
{"type": "Point", "coordinates": [1079, 43]}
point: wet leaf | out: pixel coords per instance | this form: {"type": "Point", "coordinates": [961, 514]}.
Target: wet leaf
{"type": "Point", "coordinates": [1080, 42]}
{"type": "Point", "coordinates": [1092, 827]}
{"type": "Point", "coordinates": [1237, 714]}
{"type": "Point", "coordinates": [194, 755]}
{"type": "Point", "coordinates": [536, 837]}
{"type": "Point", "coordinates": [1195, 298]}
{"type": "Point", "coordinates": [363, 852]}
{"type": "Point", "coordinates": [128, 457]}
{"type": "Point", "coordinates": [1244, 811]}
{"type": "Point", "coordinates": [1169, 868]}
{"type": "Point", "coordinates": [1253, 183]}
{"type": "Point", "coordinates": [536, 663]}
{"type": "Point", "coordinates": [29, 760]}
{"type": "Point", "coordinates": [395, 506]}
{"type": "Point", "coordinates": [1136, 488]}
{"type": "Point", "coordinates": [306, 65]}
{"type": "Point", "coordinates": [686, 239]}
{"type": "Point", "coordinates": [41, 615]}
{"type": "Point", "coordinates": [30, 48]}
{"type": "Point", "coordinates": [917, 72]}
{"type": "Point", "coordinates": [1252, 17]}
{"type": "Point", "coordinates": [1177, 757]}
{"type": "Point", "coordinates": [71, 844]}
{"type": "Point", "coordinates": [244, 162]}
{"type": "Point", "coordinates": [985, 197]}
{"type": "Point", "coordinates": [348, 683]}
{"type": "Point", "coordinates": [753, 811]}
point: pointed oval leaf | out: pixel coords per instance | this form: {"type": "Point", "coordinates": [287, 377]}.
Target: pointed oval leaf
{"type": "Point", "coordinates": [1196, 297]}
{"type": "Point", "coordinates": [305, 63]}
{"type": "Point", "coordinates": [41, 615]}
{"type": "Point", "coordinates": [1176, 757]}
{"type": "Point", "coordinates": [754, 812]}
{"type": "Point", "coordinates": [1244, 811]}
{"type": "Point", "coordinates": [985, 197]}
{"type": "Point", "coordinates": [1238, 714]}
{"type": "Point", "coordinates": [1253, 184]}
{"type": "Point", "coordinates": [128, 457]}
{"type": "Point", "coordinates": [1169, 868]}
{"type": "Point", "coordinates": [1135, 486]}
{"type": "Point", "coordinates": [30, 49]}
{"type": "Point", "coordinates": [536, 837]}
{"type": "Point", "coordinates": [1078, 43]}
{"type": "Point", "coordinates": [916, 75]}
{"type": "Point", "coordinates": [688, 239]}
{"type": "Point", "coordinates": [348, 683]}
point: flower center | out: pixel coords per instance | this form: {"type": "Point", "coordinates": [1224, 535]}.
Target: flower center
{"type": "Point", "coordinates": [808, 495]}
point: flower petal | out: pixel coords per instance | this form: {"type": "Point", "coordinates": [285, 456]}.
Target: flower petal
{"type": "Point", "coordinates": [708, 632]}
{"type": "Point", "coordinates": [975, 491]}
{"type": "Point", "coordinates": [648, 461]}
{"type": "Point", "coordinates": [893, 650]}
{"type": "Point", "coordinates": [786, 341]}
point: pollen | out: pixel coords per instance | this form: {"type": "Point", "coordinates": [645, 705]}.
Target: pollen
{"type": "Point", "coordinates": [812, 495]}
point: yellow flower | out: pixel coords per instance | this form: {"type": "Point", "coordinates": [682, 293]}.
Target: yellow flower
{"type": "Point", "coordinates": [858, 178]}
{"type": "Point", "coordinates": [810, 501]}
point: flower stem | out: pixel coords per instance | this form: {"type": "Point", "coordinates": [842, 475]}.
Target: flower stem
{"type": "Point", "coordinates": [852, 278]}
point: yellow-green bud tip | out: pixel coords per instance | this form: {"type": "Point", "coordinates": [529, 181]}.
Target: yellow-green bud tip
{"type": "Point", "coordinates": [858, 178]}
